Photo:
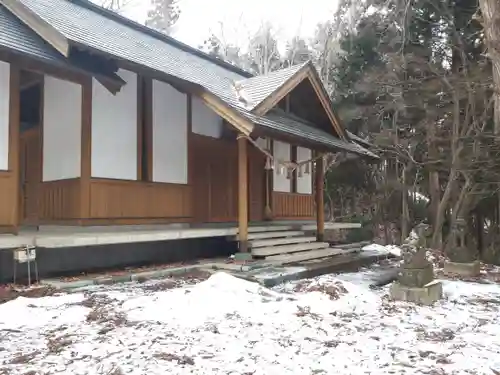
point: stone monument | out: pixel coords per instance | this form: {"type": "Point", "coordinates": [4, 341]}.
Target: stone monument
{"type": "Point", "coordinates": [461, 252]}
{"type": "Point", "coordinates": [415, 281]}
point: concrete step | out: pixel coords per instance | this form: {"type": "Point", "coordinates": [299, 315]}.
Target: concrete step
{"type": "Point", "coordinates": [281, 241]}
{"type": "Point", "coordinates": [270, 228]}
{"type": "Point", "coordinates": [274, 234]}
{"type": "Point", "coordinates": [287, 249]}
{"type": "Point", "coordinates": [306, 255]}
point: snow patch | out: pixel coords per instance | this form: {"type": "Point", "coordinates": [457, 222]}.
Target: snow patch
{"type": "Point", "coordinates": [383, 250]}
{"type": "Point", "coordinates": [226, 325]}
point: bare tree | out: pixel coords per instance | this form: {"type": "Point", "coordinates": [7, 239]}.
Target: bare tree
{"type": "Point", "coordinates": [115, 5]}
{"type": "Point", "coordinates": [163, 15]}
{"type": "Point", "coordinates": [263, 50]}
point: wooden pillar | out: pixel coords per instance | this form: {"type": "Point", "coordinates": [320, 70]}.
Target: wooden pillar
{"type": "Point", "coordinates": [14, 151]}
{"type": "Point", "coordinates": [320, 201]}
{"type": "Point", "coordinates": [243, 194]}
{"type": "Point", "coordinates": [269, 176]}
{"type": "Point", "coordinates": [86, 155]}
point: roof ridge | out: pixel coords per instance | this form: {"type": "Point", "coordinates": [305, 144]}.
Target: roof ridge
{"type": "Point", "coordinates": [163, 37]}
{"type": "Point", "coordinates": [274, 72]}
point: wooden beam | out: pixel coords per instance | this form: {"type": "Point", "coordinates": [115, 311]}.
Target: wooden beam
{"type": "Point", "coordinates": [189, 129]}
{"type": "Point", "coordinates": [320, 203]}
{"type": "Point", "coordinates": [243, 194]}
{"type": "Point", "coordinates": [148, 126]}
{"type": "Point", "coordinates": [140, 125]}
{"type": "Point", "coordinates": [295, 174]}
{"type": "Point", "coordinates": [86, 152]}
{"type": "Point", "coordinates": [221, 108]}
{"type": "Point", "coordinates": [36, 23]}
{"type": "Point", "coordinates": [269, 181]}
{"type": "Point", "coordinates": [14, 150]}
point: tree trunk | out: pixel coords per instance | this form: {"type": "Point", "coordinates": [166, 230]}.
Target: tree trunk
{"type": "Point", "coordinates": [405, 215]}
{"type": "Point", "coordinates": [490, 10]}
{"type": "Point", "coordinates": [434, 186]}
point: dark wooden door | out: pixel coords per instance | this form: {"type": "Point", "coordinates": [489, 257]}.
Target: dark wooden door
{"type": "Point", "coordinates": [256, 184]}
{"type": "Point", "coordinates": [31, 174]}
{"type": "Point", "coordinates": [215, 180]}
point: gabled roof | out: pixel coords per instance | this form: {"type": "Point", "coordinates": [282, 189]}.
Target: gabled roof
{"type": "Point", "coordinates": [78, 24]}
{"type": "Point", "coordinates": [258, 88]}
{"type": "Point", "coordinates": [306, 71]}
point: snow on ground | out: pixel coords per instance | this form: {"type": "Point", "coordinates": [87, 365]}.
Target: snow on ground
{"type": "Point", "coordinates": [380, 249]}
{"type": "Point", "coordinates": [328, 325]}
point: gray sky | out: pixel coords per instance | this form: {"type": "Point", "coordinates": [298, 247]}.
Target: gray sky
{"type": "Point", "coordinates": [199, 18]}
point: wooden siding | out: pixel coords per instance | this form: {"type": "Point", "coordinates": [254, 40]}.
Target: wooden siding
{"type": "Point", "coordinates": [293, 206]}
{"type": "Point", "coordinates": [120, 199]}
{"type": "Point", "coordinates": [8, 202]}
{"type": "Point", "coordinates": [215, 179]}
{"type": "Point", "coordinates": [59, 200]}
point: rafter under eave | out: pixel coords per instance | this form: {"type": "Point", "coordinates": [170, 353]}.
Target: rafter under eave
{"type": "Point", "coordinates": [38, 25]}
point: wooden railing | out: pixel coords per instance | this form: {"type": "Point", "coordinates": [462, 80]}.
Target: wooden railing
{"type": "Point", "coordinates": [120, 199]}
{"type": "Point", "coordinates": [293, 206]}
{"type": "Point", "coordinates": [8, 203]}
{"type": "Point", "coordinates": [59, 200]}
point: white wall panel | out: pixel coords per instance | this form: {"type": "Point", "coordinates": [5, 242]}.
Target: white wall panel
{"type": "Point", "coordinates": [170, 152]}
{"type": "Point", "coordinates": [114, 130]}
{"type": "Point", "coordinates": [281, 151]}
{"type": "Point", "coordinates": [62, 129]}
{"type": "Point", "coordinates": [304, 183]}
{"type": "Point", "coordinates": [205, 121]}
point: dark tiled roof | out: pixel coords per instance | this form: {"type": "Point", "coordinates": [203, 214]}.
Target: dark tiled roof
{"type": "Point", "coordinates": [260, 87]}
{"type": "Point", "coordinates": [84, 25]}
{"type": "Point", "coordinates": [20, 38]}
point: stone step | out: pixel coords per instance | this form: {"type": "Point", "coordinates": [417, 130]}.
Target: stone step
{"type": "Point", "coordinates": [307, 255]}
{"type": "Point", "coordinates": [270, 228]}
{"type": "Point", "coordinates": [287, 249]}
{"type": "Point", "coordinates": [353, 245]}
{"type": "Point", "coordinates": [281, 241]}
{"type": "Point", "coordinates": [275, 234]}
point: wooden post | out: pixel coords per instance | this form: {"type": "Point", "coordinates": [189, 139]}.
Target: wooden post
{"type": "Point", "coordinates": [320, 201]}
{"type": "Point", "coordinates": [243, 194]}
{"type": "Point", "coordinates": [14, 151]}
{"type": "Point", "coordinates": [86, 153]}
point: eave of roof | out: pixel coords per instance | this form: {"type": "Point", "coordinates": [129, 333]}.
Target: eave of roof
{"type": "Point", "coordinates": [19, 39]}
{"type": "Point", "coordinates": [277, 122]}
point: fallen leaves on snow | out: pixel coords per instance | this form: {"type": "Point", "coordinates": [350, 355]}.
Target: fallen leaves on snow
{"type": "Point", "coordinates": [224, 325]}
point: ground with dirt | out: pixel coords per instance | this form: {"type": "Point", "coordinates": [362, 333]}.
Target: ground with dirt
{"type": "Point", "coordinates": [222, 325]}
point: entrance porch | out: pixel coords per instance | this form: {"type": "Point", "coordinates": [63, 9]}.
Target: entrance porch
{"type": "Point", "coordinates": [53, 237]}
